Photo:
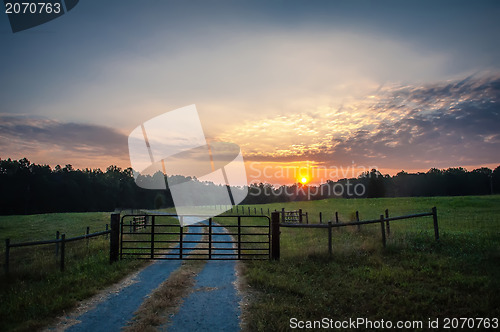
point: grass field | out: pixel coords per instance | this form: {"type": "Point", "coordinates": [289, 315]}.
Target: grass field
{"type": "Point", "coordinates": [35, 291]}
{"type": "Point", "coordinates": [413, 278]}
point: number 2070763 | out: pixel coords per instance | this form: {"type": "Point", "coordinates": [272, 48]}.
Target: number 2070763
{"type": "Point", "coordinates": [33, 8]}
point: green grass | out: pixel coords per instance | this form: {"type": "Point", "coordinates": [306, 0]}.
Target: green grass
{"type": "Point", "coordinates": [35, 291]}
{"type": "Point", "coordinates": [414, 277]}
{"type": "Point", "coordinates": [44, 226]}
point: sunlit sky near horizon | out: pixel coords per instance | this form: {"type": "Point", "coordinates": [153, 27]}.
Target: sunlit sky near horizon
{"type": "Point", "coordinates": [297, 84]}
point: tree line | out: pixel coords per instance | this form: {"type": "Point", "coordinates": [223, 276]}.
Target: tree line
{"type": "Point", "coordinates": [27, 188]}
{"type": "Point", "coordinates": [435, 182]}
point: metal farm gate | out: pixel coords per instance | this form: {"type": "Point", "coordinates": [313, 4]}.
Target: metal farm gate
{"type": "Point", "coordinates": [231, 237]}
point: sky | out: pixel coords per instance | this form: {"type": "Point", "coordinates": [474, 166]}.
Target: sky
{"type": "Point", "coordinates": [323, 88]}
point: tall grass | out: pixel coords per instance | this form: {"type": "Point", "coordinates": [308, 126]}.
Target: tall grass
{"type": "Point", "coordinates": [35, 291]}
{"type": "Point", "coordinates": [414, 277]}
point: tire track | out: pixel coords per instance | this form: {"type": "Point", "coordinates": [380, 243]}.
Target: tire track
{"type": "Point", "coordinates": [118, 309]}
{"type": "Point", "coordinates": [214, 303]}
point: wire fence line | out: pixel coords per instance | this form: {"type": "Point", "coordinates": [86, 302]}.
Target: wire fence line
{"type": "Point", "coordinates": [278, 219]}
{"type": "Point", "coordinates": [60, 245]}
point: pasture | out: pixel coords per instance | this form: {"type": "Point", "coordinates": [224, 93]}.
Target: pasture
{"type": "Point", "coordinates": [35, 291]}
{"type": "Point", "coordinates": [413, 278]}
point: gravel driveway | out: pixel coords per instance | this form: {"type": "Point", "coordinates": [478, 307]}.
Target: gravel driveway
{"type": "Point", "coordinates": [212, 306]}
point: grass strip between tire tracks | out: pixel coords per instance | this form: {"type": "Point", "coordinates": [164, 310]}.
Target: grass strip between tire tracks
{"type": "Point", "coordinates": [166, 300]}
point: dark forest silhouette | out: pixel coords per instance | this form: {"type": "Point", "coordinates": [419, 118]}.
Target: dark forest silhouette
{"type": "Point", "coordinates": [27, 188]}
{"type": "Point", "coordinates": [373, 184]}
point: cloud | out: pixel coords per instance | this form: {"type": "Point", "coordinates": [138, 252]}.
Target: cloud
{"type": "Point", "coordinates": [247, 71]}
{"type": "Point", "coordinates": [401, 127]}
{"type": "Point", "coordinates": [434, 125]}
{"type": "Point", "coordinates": [54, 142]}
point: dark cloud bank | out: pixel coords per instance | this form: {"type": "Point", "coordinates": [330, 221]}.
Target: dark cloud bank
{"type": "Point", "coordinates": [86, 140]}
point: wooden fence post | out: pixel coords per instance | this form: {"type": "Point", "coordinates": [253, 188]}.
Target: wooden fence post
{"type": "Point", "coordinates": [87, 234]}
{"type": "Point", "coordinates": [388, 226]}
{"type": "Point", "coordinates": [330, 238]}
{"type": "Point", "coordinates": [63, 249]}
{"type": "Point", "coordinates": [114, 238]}
{"type": "Point", "coordinates": [320, 218]}
{"type": "Point", "coordinates": [300, 216]}
{"type": "Point", "coordinates": [382, 227]}
{"type": "Point", "coordinates": [57, 243]}
{"type": "Point", "coordinates": [7, 255]}
{"type": "Point", "coordinates": [357, 219]}
{"type": "Point", "coordinates": [275, 236]}
{"type": "Point", "coordinates": [307, 217]}
{"type": "Point", "coordinates": [249, 211]}
{"type": "Point", "coordinates": [435, 219]}
{"type": "Point", "coordinates": [283, 219]}
{"type": "Point", "coordinates": [107, 228]}
{"type": "Point", "coordinates": [337, 220]}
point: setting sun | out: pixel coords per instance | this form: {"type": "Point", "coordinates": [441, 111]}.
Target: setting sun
{"type": "Point", "coordinates": [303, 180]}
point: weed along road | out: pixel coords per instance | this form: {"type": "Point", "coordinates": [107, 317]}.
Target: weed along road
{"type": "Point", "coordinates": [212, 305]}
